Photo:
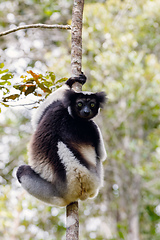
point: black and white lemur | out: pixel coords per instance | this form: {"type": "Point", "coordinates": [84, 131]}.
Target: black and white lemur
{"type": "Point", "coordinates": [66, 150]}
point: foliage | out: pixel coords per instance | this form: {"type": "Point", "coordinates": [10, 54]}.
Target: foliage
{"type": "Point", "coordinates": [5, 76]}
{"type": "Point", "coordinates": [37, 85]}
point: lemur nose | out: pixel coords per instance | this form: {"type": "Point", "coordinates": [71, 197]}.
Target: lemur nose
{"type": "Point", "coordinates": [86, 111]}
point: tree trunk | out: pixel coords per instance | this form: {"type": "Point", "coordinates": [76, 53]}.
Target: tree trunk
{"type": "Point", "coordinates": [76, 47]}
{"type": "Point", "coordinates": [72, 222]}
{"type": "Point", "coordinates": [72, 217]}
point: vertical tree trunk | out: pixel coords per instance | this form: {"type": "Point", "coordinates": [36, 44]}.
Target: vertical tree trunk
{"type": "Point", "coordinates": [72, 217]}
{"type": "Point", "coordinates": [72, 222]}
{"type": "Point", "coordinates": [76, 47]}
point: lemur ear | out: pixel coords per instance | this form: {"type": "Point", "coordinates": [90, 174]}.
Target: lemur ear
{"type": "Point", "coordinates": [69, 97]}
{"type": "Point", "coordinates": [102, 98]}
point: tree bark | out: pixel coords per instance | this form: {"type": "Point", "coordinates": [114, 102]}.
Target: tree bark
{"type": "Point", "coordinates": [72, 222]}
{"type": "Point", "coordinates": [76, 47]}
{"type": "Point", "coordinates": [72, 217]}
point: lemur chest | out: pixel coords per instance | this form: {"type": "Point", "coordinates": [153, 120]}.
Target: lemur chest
{"type": "Point", "coordinates": [82, 182]}
{"type": "Point", "coordinates": [71, 156]}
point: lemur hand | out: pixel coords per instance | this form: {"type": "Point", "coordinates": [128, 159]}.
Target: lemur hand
{"type": "Point", "coordinates": [81, 79]}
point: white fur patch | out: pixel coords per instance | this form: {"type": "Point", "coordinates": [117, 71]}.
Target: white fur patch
{"type": "Point", "coordinates": [69, 111]}
{"type": "Point", "coordinates": [82, 183]}
{"type": "Point", "coordinates": [44, 170]}
{"type": "Point", "coordinates": [66, 156]}
{"type": "Point", "coordinates": [86, 93]}
{"type": "Point", "coordinates": [56, 95]}
{"type": "Point", "coordinates": [40, 164]}
{"type": "Point", "coordinates": [103, 153]}
{"type": "Point", "coordinates": [88, 153]}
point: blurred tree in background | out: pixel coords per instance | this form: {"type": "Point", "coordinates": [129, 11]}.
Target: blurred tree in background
{"type": "Point", "coordinates": [121, 55]}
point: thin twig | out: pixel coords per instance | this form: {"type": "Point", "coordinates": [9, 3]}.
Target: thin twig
{"type": "Point", "coordinates": [39, 25]}
{"type": "Point", "coordinates": [13, 104]}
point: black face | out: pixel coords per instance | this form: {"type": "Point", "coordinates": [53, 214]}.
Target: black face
{"type": "Point", "coordinates": [83, 105]}
{"type": "Point", "coordinates": [86, 108]}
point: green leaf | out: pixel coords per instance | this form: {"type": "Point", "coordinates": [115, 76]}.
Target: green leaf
{"type": "Point", "coordinates": [1, 65]}
{"type": "Point", "coordinates": [4, 71]}
{"type": "Point", "coordinates": [5, 82]}
{"type": "Point", "coordinates": [7, 76]}
{"type": "Point", "coordinates": [52, 76]}
{"type": "Point", "coordinates": [4, 104]}
{"type": "Point", "coordinates": [61, 80]}
{"type": "Point", "coordinates": [45, 89]}
{"type": "Point", "coordinates": [2, 83]}
{"type": "Point", "coordinates": [30, 90]}
{"type": "Point", "coordinates": [12, 97]}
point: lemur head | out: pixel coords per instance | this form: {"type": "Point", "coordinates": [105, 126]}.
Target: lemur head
{"type": "Point", "coordinates": [84, 105]}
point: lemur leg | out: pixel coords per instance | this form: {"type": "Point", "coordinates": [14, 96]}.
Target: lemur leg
{"type": "Point", "coordinates": [40, 188]}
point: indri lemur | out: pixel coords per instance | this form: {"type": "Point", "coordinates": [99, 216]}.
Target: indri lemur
{"type": "Point", "coordinates": [66, 150]}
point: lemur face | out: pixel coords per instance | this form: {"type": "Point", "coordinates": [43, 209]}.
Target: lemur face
{"type": "Point", "coordinates": [83, 105]}
{"type": "Point", "coordinates": [86, 107]}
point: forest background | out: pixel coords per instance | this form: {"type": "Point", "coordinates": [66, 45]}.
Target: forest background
{"type": "Point", "coordinates": [121, 56]}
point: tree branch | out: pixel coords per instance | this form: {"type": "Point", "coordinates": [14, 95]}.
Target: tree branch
{"type": "Point", "coordinates": [39, 25]}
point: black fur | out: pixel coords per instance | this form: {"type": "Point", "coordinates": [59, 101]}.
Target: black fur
{"type": "Point", "coordinates": [59, 123]}
{"type": "Point", "coordinates": [71, 96]}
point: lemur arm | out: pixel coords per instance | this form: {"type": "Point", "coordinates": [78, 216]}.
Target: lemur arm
{"type": "Point", "coordinates": [81, 79]}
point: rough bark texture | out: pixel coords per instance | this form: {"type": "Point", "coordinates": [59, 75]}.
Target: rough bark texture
{"type": "Point", "coordinates": [72, 222]}
{"type": "Point", "coordinates": [72, 217]}
{"type": "Point", "coordinates": [76, 48]}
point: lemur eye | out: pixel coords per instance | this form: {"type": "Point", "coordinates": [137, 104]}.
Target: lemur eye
{"type": "Point", "coordinates": [79, 104]}
{"type": "Point", "coordinates": [92, 105]}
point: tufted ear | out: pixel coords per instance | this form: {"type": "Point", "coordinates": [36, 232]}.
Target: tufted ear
{"type": "Point", "coordinates": [102, 98]}
{"type": "Point", "coordinates": [69, 97]}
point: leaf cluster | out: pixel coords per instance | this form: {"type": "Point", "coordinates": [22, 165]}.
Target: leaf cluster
{"type": "Point", "coordinates": [35, 84]}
